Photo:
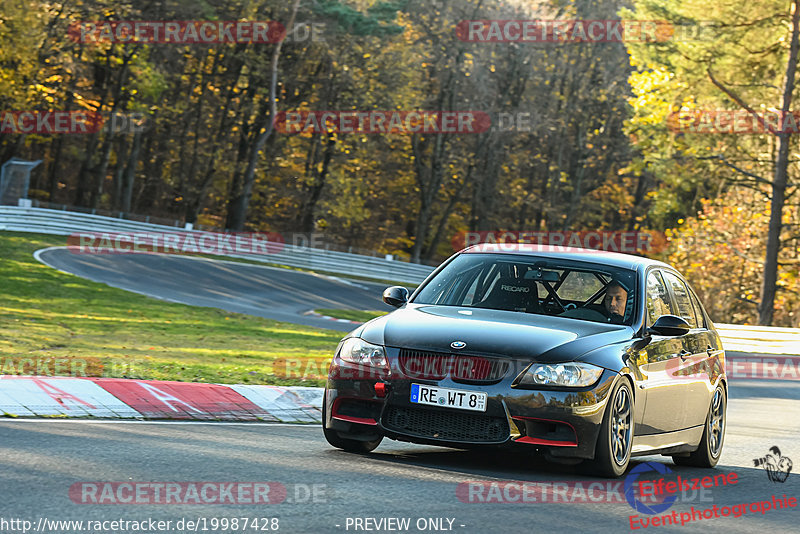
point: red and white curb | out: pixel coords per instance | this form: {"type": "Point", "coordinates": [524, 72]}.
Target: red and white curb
{"type": "Point", "coordinates": [119, 398]}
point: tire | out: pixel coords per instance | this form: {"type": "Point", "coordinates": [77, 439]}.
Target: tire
{"type": "Point", "coordinates": [613, 450]}
{"type": "Point", "coordinates": [710, 449]}
{"type": "Point", "coordinates": [349, 445]}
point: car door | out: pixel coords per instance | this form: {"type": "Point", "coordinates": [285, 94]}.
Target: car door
{"type": "Point", "coordinates": [664, 403]}
{"type": "Point", "coordinates": [690, 367]}
{"type": "Point", "coordinates": [714, 355]}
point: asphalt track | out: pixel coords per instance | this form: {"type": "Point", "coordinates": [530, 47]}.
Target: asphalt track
{"type": "Point", "coordinates": [41, 459]}
{"type": "Point", "coordinates": [271, 292]}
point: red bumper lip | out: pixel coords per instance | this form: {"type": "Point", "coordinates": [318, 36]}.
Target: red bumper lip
{"type": "Point", "coordinates": [552, 443]}
{"type": "Point", "coordinates": [350, 418]}
{"type": "Point", "coordinates": [544, 441]}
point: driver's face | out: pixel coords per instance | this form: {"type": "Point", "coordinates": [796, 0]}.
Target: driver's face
{"type": "Point", "coordinates": [615, 300]}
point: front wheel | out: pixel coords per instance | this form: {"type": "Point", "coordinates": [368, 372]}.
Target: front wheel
{"type": "Point", "coordinates": [710, 449]}
{"type": "Point", "coordinates": [350, 445]}
{"type": "Point", "coordinates": [613, 450]}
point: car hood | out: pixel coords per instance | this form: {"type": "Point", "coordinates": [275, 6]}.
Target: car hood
{"type": "Point", "coordinates": [491, 332]}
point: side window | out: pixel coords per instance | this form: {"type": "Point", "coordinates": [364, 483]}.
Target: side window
{"type": "Point", "coordinates": [683, 301]}
{"type": "Point", "coordinates": [657, 299]}
{"type": "Point", "coordinates": [698, 310]}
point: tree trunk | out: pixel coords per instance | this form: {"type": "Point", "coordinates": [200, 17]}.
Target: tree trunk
{"type": "Point", "coordinates": [57, 165]}
{"type": "Point", "coordinates": [55, 168]}
{"type": "Point", "coordinates": [313, 191]}
{"type": "Point", "coordinates": [84, 174]}
{"type": "Point", "coordinates": [129, 175]}
{"type": "Point", "coordinates": [577, 172]}
{"type": "Point", "coordinates": [102, 170]}
{"type": "Point", "coordinates": [429, 179]}
{"type": "Point", "coordinates": [122, 158]}
{"type": "Point", "coordinates": [766, 306]}
{"type": "Point", "coordinates": [489, 154]}
{"type": "Point", "coordinates": [235, 189]}
{"type": "Point", "coordinates": [430, 250]}
{"type": "Point", "coordinates": [237, 206]}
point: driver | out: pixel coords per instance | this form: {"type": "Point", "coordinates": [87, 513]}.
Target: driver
{"type": "Point", "coordinates": [614, 302]}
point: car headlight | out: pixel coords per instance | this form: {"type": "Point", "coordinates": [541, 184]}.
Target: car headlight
{"type": "Point", "coordinates": [356, 350]}
{"type": "Point", "coordinates": [572, 374]}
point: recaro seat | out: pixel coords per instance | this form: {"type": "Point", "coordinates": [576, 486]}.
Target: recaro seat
{"type": "Point", "coordinates": [513, 295]}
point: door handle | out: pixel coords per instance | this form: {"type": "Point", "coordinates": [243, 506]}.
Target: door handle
{"type": "Point", "coordinates": [684, 354]}
{"type": "Point", "coordinates": [710, 350]}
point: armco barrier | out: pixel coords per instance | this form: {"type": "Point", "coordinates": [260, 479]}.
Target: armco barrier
{"type": "Point", "coordinates": [55, 222]}
{"type": "Point", "coordinates": [759, 340]}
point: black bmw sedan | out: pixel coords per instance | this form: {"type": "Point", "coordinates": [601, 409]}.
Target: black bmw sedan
{"type": "Point", "coordinates": [581, 355]}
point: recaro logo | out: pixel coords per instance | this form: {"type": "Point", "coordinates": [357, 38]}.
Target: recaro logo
{"type": "Point", "coordinates": [515, 289]}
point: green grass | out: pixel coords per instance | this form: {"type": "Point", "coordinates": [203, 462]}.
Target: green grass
{"type": "Point", "coordinates": [351, 315]}
{"type": "Point", "coordinates": [50, 318]}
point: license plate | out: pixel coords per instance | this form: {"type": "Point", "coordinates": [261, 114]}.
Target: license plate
{"type": "Point", "coordinates": [448, 398]}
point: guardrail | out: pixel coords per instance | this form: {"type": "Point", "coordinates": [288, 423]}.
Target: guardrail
{"type": "Point", "coordinates": [55, 222]}
{"type": "Point", "coordinates": [759, 339]}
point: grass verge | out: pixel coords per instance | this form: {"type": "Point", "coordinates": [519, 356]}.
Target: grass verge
{"type": "Point", "coordinates": [59, 324]}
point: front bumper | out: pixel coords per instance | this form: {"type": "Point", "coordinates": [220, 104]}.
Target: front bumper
{"type": "Point", "coordinates": [564, 422]}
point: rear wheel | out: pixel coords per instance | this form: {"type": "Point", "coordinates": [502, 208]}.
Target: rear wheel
{"type": "Point", "coordinates": [350, 445]}
{"type": "Point", "coordinates": [710, 449]}
{"type": "Point", "coordinates": [613, 450]}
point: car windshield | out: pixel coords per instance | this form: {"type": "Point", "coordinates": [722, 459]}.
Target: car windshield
{"type": "Point", "coordinates": [536, 285]}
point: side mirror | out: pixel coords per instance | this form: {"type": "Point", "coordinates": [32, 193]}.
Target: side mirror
{"type": "Point", "coordinates": [670, 325]}
{"type": "Point", "coordinates": [395, 296]}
